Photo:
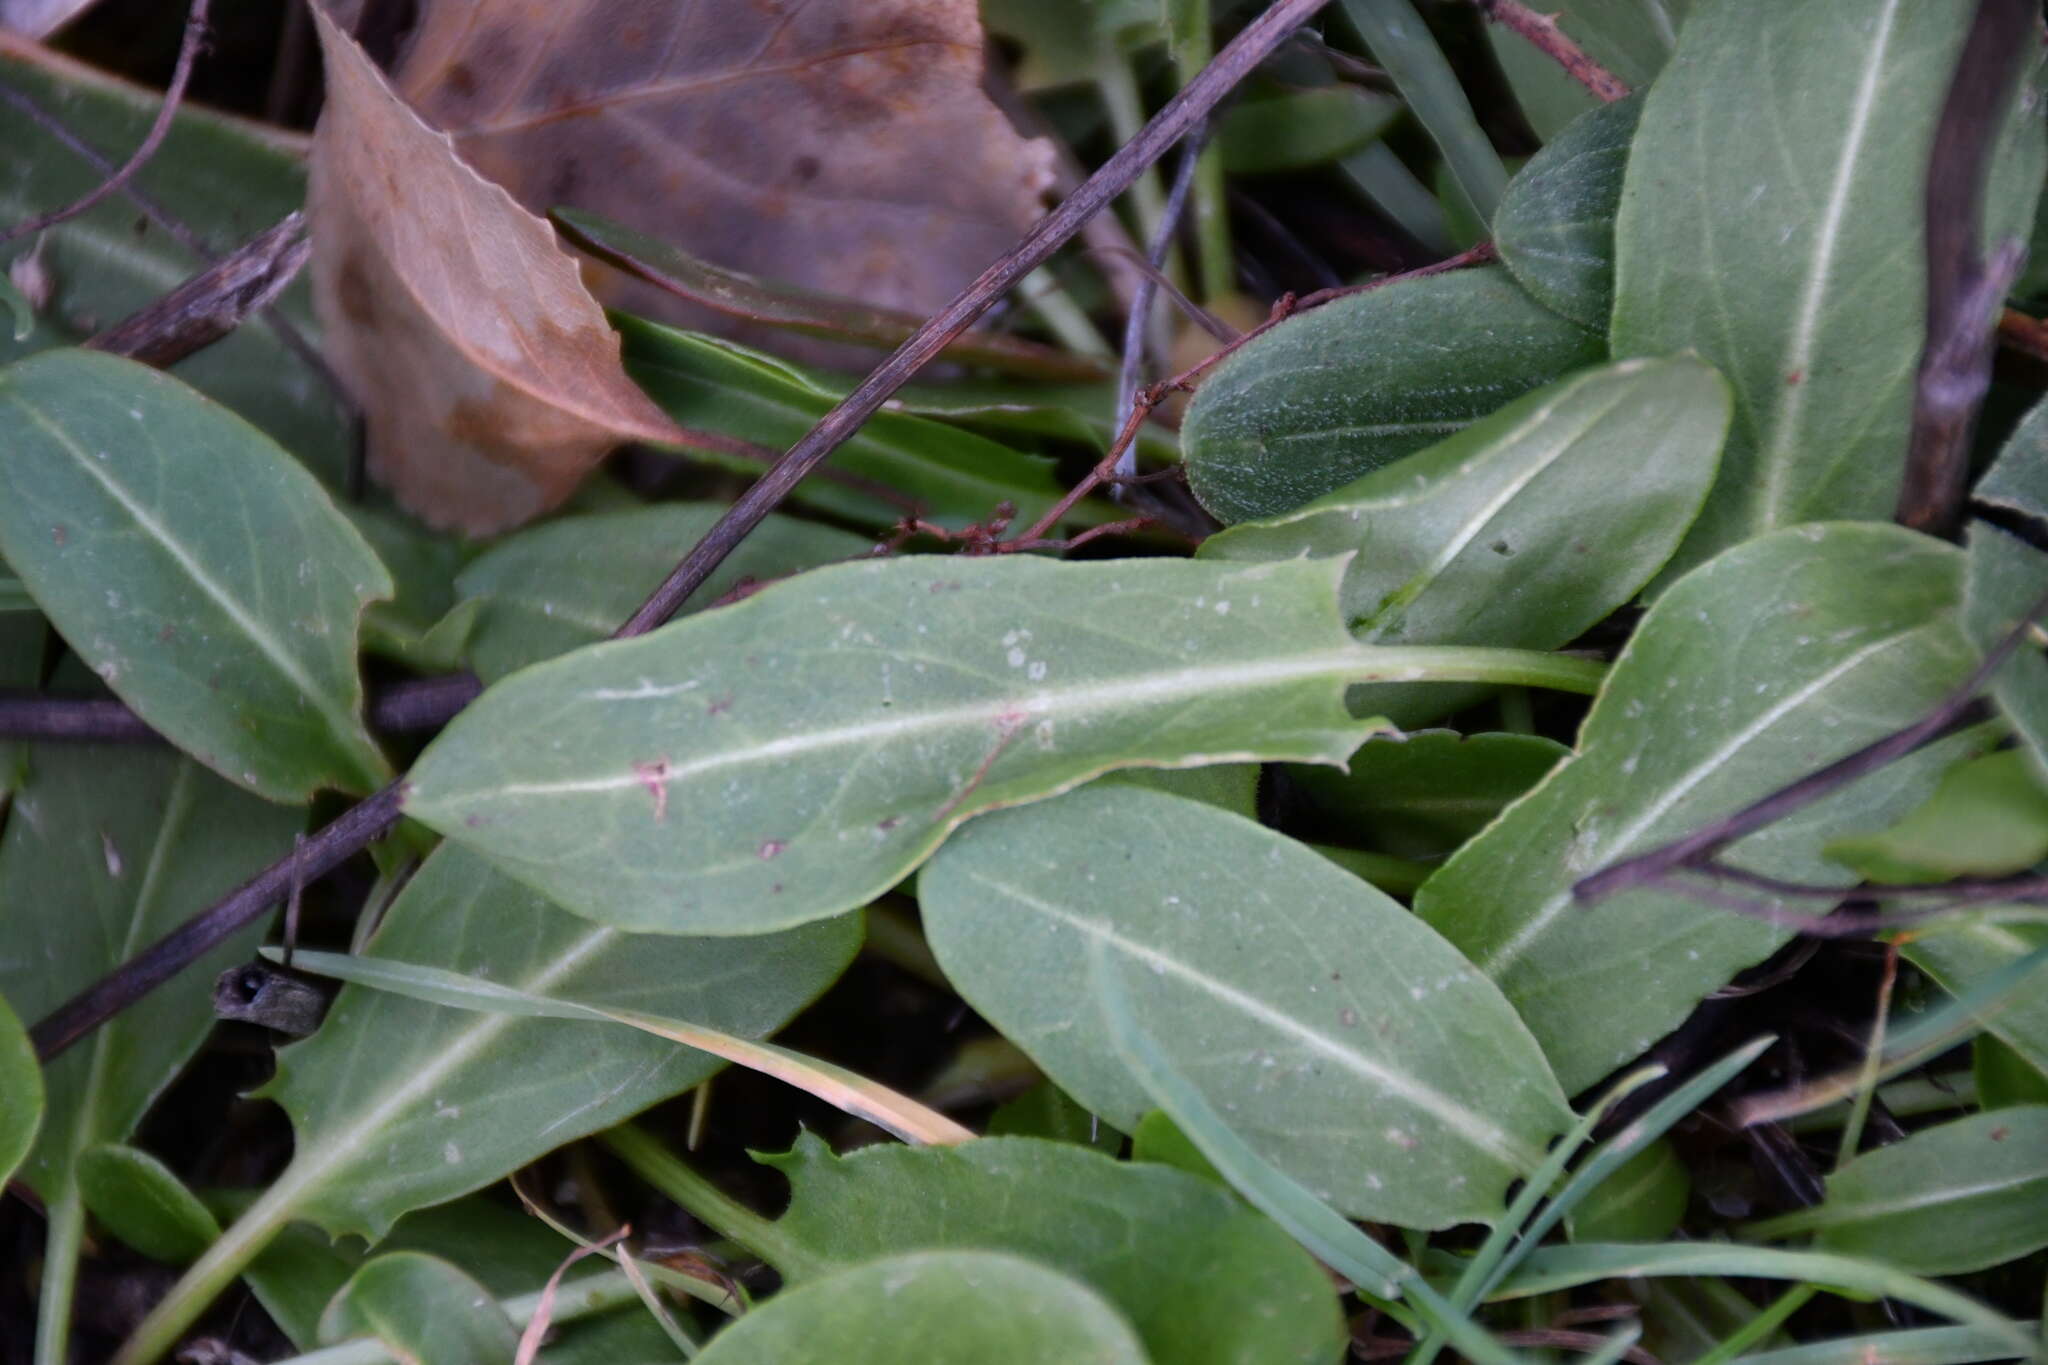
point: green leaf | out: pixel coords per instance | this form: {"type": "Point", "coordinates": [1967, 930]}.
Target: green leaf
{"type": "Point", "coordinates": [953, 476]}
{"type": "Point", "coordinates": [2005, 580]}
{"type": "Point", "coordinates": [1962, 1196]}
{"type": "Point", "coordinates": [1298, 129]}
{"type": "Point", "coordinates": [1550, 1269]}
{"type": "Point", "coordinates": [1780, 656]}
{"type": "Point", "coordinates": [548, 589]}
{"type": "Point", "coordinates": [424, 1309]}
{"type": "Point", "coordinates": [1575, 494]}
{"type": "Point", "coordinates": [2018, 478]}
{"type": "Point", "coordinates": [1046, 1111]}
{"type": "Point", "coordinates": [1987, 818]}
{"type": "Point", "coordinates": [1555, 228]}
{"type": "Point", "coordinates": [1912, 1346]}
{"type": "Point", "coordinates": [225, 179]}
{"type": "Point", "coordinates": [423, 566]}
{"type": "Point", "coordinates": [1423, 794]}
{"type": "Point", "coordinates": [1643, 1201]}
{"type": "Point", "coordinates": [2004, 1078]}
{"type": "Point", "coordinates": [937, 1308]}
{"type": "Point", "coordinates": [139, 1200]}
{"type": "Point", "coordinates": [1756, 213]}
{"type": "Point", "coordinates": [1401, 43]}
{"type": "Point", "coordinates": [396, 1103]}
{"type": "Point", "coordinates": [1351, 1046]}
{"type": "Point", "coordinates": [21, 1092]}
{"type": "Point", "coordinates": [18, 307]}
{"type": "Point", "coordinates": [106, 850]}
{"type": "Point", "coordinates": [1962, 953]}
{"type": "Point", "coordinates": [1359, 383]}
{"type": "Point", "coordinates": [1550, 98]}
{"type": "Point", "coordinates": [794, 755]}
{"type": "Point", "coordinates": [1158, 1138]}
{"type": "Point", "coordinates": [199, 571]}
{"type": "Point", "coordinates": [1631, 38]}
{"type": "Point", "coordinates": [807, 312]}
{"type": "Point", "coordinates": [1200, 1276]}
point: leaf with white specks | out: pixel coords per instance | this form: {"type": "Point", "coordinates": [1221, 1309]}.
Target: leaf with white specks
{"type": "Point", "coordinates": [1345, 1040]}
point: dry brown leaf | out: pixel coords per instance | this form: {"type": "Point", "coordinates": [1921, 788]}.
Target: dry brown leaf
{"type": "Point", "coordinates": [489, 380]}
{"type": "Point", "coordinates": [842, 145]}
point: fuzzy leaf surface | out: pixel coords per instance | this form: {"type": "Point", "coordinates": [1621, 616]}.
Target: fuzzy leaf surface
{"type": "Point", "coordinates": [195, 567]}
{"type": "Point", "coordinates": [1779, 657]}
{"type": "Point", "coordinates": [1759, 207]}
{"type": "Point", "coordinates": [1202, 1278]}
{"type": "Point", "coordinates": [1359, 383]}
{"type": "Point", "coordinates": [793, 755]}
{"type": "Point", "coordinates": [1348, 1043]}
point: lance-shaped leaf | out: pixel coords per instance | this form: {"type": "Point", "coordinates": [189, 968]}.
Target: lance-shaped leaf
{"type": "Point", "coordinates": [1356, 384]}
{"type": "Point", "coordinates": [794, 755]}
{"type": "Point", "coordinates": [396, 1103]}
{"type": "Point", "coordinates": [1525, 528]}
{"type": "Point", "coordinates": [1346, 1041]}
{"type": "Point", "coordinates": [806, 312]}
{"type": "Point", "coordinates": [1779, 657]}
{"type": "Point", "coordinates": [106, 850]}
{"type": "Point", "coordinates": [1204, 1279]}
{"type": "Point", "coordinates": [1757, 212]}
{"type": "Point", "coordinates": [194, 566]}
{"type": "Point", "coordinates": [570, 582]}
{"type": "Point", "coordinates": [224, 179]}
{"type": "Point", "coordinates": [1961, 1196]}
{"type": "Point", "coordinates": [489, 380]}
{"type": "Point", "coordinates": [940, 1307]}
{"type": "Point", "coordinates": [791, 139]}
{"type": "Point", "coordinates": [1555, 228]}
{"type": "Point", "coordinates": [1966, 953]}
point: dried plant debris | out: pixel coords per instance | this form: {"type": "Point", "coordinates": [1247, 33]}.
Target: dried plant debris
{"type": "Point", "coordinates": [489, 380]}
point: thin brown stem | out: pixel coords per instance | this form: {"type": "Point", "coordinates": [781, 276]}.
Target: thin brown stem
{"type": "Point", "coordinates": [1545, 36]}
{"type": "Point", "coordinates": [214, 302]}
{"type": "Point", "coordinates": [407, 707]}
{"type": "Point", "coordinates": [2019, 332]}
{"type": "Point", "coordinates": [188, 54]}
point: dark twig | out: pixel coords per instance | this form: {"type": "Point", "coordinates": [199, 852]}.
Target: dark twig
{"type": "Point", "coordinates": [1138, 321]}
{"type": "Point", "coordinates": [1696, 848]}
{"type": "Point", "coordinates": [1181, 113]}
{"type": "Point", "coordinates": [408, 707]}
{"type": "Point", "coordinates": [1963, 287]}
{"type": "Point", "coordinates": [2027, 335]}
{"type": "Point", "coordinates": [188, 54]}
{"type": "Point", "coordinates": [358, 827]}
{"type": "Point", "coordinates": [1542, 32]}
{"type": "Point", "coordinates": [214, 302]}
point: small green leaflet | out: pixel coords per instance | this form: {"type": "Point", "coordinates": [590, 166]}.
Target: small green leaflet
{"type": "Point", "coordinates": [1347, 1043]}
{"type": "Point", "coordinates": [794, 755]}
{"type": "Point", "coordinates": [194, 566]}
{"type": "Point", "coordinates": [21, 1091]}
{"type": "Point", "coordinates": [1756, 213]}
{"type": "Point", "coordinates": [1555, 228]}
{"type": "Point", "coordinates": [1779, 656]}
{"type": "Point", "coordinates": [424, 1309]}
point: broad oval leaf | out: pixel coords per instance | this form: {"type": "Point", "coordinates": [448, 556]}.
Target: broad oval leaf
{"type": "Point", "coordinates": [1777, 658]}
{"type": "Point", "coordinates": [223, 179]}
{"type": "Point", "coordinates": [569, 582]}
{"type": "Point", "coordinates": [1204, 1279]}
{"type": "Point", "coordinates": [1755, 213]}
{"type": "Point", "coordinates": [489, 381]}
{"type": "Point", "coordinates": [194, 566]}
{"type": "Point", "coordinates": [1343, 1039]}
{"type": "Point", "coordinates": [397, 1103]}
{"type": "Point", "coordinates": [1297, 129]}
{"type": "Point", "coordinates": [937, 1308]}
{"type": "Point", "coordinates": [795, 754]}
{"type": "Point", "coordinates": [1524, 529]}
{"type": "Point", "coordinates": [424, 1309]}
{"type": "Point", "coordinates": [1555, 228]}
{"type": "Point", "coordinates": [21, 1091]}
{"type": "Point", "coordinates": [1359, 383]}
{"type": "Point", "coordinates": [1958, 1197]}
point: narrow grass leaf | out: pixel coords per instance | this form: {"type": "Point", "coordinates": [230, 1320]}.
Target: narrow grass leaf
{"type": "Point", "coordinates": [1912, 1346]}
{"type": "Point", "coordinates": [1401, 42]}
